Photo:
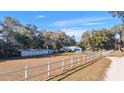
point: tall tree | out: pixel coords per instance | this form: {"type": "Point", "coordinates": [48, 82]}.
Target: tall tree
{"type": "Point", "coordinates": [14, 36]}
{"type": "Point", "coordinates": [100, 39]}
{"type": "Point", "coordinates": [119, 14]}
{"type": "Point", "coordinates": [85, 40]}
{"type": "Point", "coordinates": [8, 29]}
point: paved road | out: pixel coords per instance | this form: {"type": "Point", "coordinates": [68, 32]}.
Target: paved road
{"type": "Point", "coordinates": [116, 70]}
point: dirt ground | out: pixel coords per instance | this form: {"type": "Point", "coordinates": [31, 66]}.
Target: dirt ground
{"type": "Point", "coordinates": [118, 54]}
{"type": "Point", "coordinates": [10, 65]}
{"type": "Point", "coordinates": [94, 72]}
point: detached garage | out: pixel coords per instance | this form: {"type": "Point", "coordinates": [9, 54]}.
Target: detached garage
{"type": "Point", "coordinates": [34, 52]}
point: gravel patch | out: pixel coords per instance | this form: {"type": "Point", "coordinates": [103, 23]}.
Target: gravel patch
{"type": "Point", "coordinates": [116, 70]}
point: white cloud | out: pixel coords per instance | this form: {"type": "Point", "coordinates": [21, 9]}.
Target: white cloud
{"type": "Point", "coordinates": [95, 23]}
{"type": "Point", "coordinates": [80, 21]}
{"type": "Point", "coordinates": [40, 16]}
{"type": "Point", "coordinates": [76, 32]}
{"type": "Point", "coordinates": [60, 23]}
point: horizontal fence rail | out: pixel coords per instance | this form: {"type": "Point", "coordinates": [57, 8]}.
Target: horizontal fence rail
{"type": "Point", "coordinates": [60, 65]}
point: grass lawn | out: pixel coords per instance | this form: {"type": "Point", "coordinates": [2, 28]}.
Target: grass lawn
{"type": "Point", "coordinates": [93, 72]}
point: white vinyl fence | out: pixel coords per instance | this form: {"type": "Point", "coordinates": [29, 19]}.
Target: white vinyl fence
{"type": "Point", "coordinates": [72, 61]}
{"type": "Point", "coordinates": [107, 53]}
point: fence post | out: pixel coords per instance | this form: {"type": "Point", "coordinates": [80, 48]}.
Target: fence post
{"type": "Point", "coordinates": [71, 61]}
{"type": "Point", "coordinates": [85, 59]}
{"type": "Point", "coordinates": [100, 53]}
{"type": "Point", "coordinates": [110, 53]}
{"type": "Point", "coordinates": [26, 73]}
{"type": "Point", "coordinates": [78, 60]}
{"type": "Point", "coordinates": [62, 64]}
{"type": "Point", "coordinates": [95, 56]}
{"type": "Point", "coordinates": [89, 57]}
{"type": "Point", "coordinates": [48, 69]}
{"type": "Point", "coordinates": [92, 57]}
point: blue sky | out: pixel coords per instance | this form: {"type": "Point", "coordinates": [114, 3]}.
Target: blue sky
{"type": "Point", "coordinates": [71, 22]}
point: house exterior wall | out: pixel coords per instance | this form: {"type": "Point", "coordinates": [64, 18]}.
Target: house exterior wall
{"type": "Point", "coordinates": [34, 52]}
{"type": "Point", "coordinates": [72, 48]}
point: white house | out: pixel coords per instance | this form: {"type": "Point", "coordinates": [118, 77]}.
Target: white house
{"type": "Point", "coordinates": [71, 49]}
